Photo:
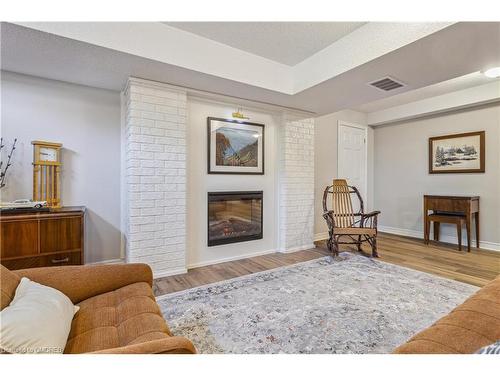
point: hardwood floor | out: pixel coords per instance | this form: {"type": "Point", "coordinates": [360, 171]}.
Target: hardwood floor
{"type": "Point", "coordinates": [228, 270]}
{"type": "Point", "coordinates": [477, 267]}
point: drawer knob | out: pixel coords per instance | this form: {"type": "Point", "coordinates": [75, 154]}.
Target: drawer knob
{"type": "Point", "coordinates": [64, 260]}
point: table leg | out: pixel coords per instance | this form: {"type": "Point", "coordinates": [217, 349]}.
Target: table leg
{"type": "Point", "coordinates": [476, 218]}
{"type": "Point", "coordinates": [467, 227]}
{"type": "Point", "coordinates": [459, 235]}
{"type": "Point", "coordinates": [426, 230]}
{"type": "Point", "coordinates": [436, 230]}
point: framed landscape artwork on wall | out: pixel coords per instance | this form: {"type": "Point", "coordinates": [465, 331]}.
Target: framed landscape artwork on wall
{"type": "Point", "coordinates": [235, 147]}
{"type": "Point", "coordinates": [457, 153]}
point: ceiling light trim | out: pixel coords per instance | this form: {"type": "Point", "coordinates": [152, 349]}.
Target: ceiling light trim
{"type": "Point", "coordinates": [160, 42]}
{"type": "Point", "coordinates": [364, 44]}
{"type": "Point", "coordinates": [288, 43]}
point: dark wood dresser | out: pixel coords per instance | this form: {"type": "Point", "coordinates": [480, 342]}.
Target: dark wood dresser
{"type": "Point", "coordinates": [42, 239]}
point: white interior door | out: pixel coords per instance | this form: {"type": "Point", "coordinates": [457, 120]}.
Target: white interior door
{"type": "Point", "coordinates": [352, 152]}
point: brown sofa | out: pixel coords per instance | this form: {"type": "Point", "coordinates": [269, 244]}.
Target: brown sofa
{"type": "Point", "coordinates": [118, 312]}
{"type": "Point", "coordinates": [466, 329]}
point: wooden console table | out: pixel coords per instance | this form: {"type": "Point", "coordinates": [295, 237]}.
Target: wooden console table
{"type": "Point", "coordinates": [454, 210]}
{"type": "Point", "coordinates": [42, 239]}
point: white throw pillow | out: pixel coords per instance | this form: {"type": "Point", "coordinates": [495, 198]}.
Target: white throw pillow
{"type": "Point", "coordinates": [38, 320]}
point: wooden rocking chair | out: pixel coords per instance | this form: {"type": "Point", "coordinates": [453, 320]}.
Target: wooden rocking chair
{"type": "Point", "coordinates": [343, 222]}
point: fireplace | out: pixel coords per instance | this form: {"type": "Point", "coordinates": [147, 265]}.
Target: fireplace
{"type": "Point", "coordinates": [234, 217]}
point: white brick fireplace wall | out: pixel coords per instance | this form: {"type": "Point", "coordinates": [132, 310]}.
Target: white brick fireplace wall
{"type": "Point", "coordinates": [296, 175]}
{"type": "Point", "coordinates": [155, 176]}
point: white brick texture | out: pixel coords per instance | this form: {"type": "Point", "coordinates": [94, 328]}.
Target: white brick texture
{"type": "Point", "coordinates": [296, 176]}
{"type": "Point", "coordinates": [155, 176]}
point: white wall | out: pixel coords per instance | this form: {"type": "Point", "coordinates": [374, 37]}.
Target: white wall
{"type": "Point", "coordinates": [87, 122]}
{"type": "Point", "coordinates": [199, 183]}
{"type": "Point", "coordinates": [325, 160]}
{"type": "Point", "coordinates": [402, 178]}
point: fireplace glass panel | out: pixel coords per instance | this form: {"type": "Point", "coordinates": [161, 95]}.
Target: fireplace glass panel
{"type": "Point", "coordinates": [234, 217]}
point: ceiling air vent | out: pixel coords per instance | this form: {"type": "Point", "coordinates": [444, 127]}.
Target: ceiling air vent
{"type": "Point", "coordinates": [386, 84]}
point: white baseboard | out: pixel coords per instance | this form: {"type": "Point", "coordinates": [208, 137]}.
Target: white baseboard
{"type": "Point", "coordinates": [109, 261]}
{"type": "Point", "coordinates": [156, 275]}
{"type": "Point", "coordinates": [228, 259]}
{"type": "Point", "coordinates": [321, 236]}
{"type": "Point", "coordinates": [402, 232]}
{"type": "Point", "coordinates": [297, 248]}
{"type": "Point", "coordinates": [177, 271]}
{"type": "Point", "coordinates": [487, 245]}
{"type": "Point", "coordinates": [448, 239]}
{"type": "Point", "coordinates": [249, 255]}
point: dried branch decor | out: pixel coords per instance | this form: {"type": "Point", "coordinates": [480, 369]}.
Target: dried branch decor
{"type": "Point", "coordinates": [3, 170]}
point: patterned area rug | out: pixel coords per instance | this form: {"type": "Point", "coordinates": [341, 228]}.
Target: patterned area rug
{"type": "Point", "coordinates": [351, 304]}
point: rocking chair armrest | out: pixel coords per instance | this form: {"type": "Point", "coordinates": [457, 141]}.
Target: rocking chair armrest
{"type": "Point", "coordinates": [370, 214]}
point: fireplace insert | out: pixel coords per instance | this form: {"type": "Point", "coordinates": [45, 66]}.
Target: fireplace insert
{"type": "Point", "coordinates": [234, 216]}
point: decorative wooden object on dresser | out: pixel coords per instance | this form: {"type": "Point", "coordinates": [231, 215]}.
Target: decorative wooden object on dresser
{"type": "Point", "coordinates": [46, 172]}
{"type": "Point", "coordinates": [42, 239]}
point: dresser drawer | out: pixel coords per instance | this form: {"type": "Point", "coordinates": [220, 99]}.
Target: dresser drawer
{"type": "Point", "coordinates": [447, 205]}
{"type": "Point", "coordinates": [61, 235]}
{"type": "Point", "coordinates": [21, 263]}
{"type": "Point", "coordinates": [18, 238]}
{"type": "Point", "coordinates": [59, 259]}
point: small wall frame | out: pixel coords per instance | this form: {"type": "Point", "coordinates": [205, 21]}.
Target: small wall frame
{"type": "Point", "coordinates": [457, 153]}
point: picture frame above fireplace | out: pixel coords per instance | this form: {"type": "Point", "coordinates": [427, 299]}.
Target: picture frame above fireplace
{"type": "Point", "coordinates": [235, 147]}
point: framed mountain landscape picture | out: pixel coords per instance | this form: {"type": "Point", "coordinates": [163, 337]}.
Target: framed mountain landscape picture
{"type": "Point", "coordinates": [457, 153]}
{"type": "Point", "coordinates": [235, 147]}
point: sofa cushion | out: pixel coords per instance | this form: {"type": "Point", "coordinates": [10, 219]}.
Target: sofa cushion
{"type": "Point", "coordinates": [126, 316]}
{"type": "Point", "coordinates": [470, 326]}
{"type": "Point", "coordinates": [8, 283]}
